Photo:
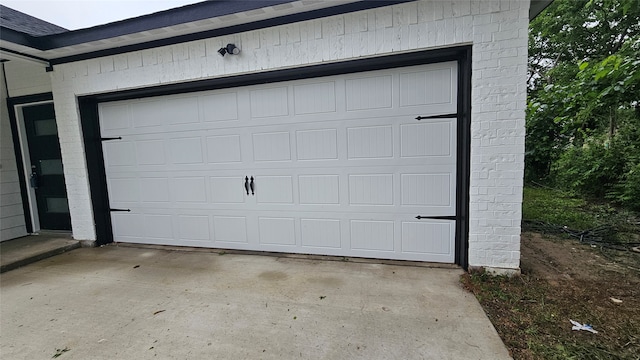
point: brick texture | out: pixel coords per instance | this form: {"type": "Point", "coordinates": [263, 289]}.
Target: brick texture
{"type": "Point", "coordinates": [496, 29]}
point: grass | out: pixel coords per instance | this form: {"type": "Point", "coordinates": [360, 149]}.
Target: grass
{"type": "Point", "coordinates": [555, 207]}
{"type": "Point", "coordinates": [531, 312]}
{"type": "Point", "coordinates": [532, 317]}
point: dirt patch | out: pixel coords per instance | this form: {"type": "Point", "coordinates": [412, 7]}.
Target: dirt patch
{"type": "Point", "coordinates": [563, 279]}
{"type": "Point", "coordinates": [555, 258]}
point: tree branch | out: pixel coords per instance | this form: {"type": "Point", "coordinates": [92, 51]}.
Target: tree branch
{"type": "Point", "coordinates": [620, 42]}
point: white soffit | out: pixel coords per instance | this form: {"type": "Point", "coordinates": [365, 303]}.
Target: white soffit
{"type": "Point", "coordinates": [198, 26]}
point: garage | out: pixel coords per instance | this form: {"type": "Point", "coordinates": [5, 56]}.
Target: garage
{"type": "Point", "coordinates": [360, 165]}
{"type": "Point", "coordinates": [340, 112]}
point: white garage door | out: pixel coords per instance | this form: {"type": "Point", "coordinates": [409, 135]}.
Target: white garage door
{"type": "Point", "coordinates": [339, 166]}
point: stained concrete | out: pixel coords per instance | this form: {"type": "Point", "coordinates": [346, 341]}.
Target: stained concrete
{"type": "Point", "coordinates": [28, 249]}
{"type": "Point", "coordinates": [130, 303]}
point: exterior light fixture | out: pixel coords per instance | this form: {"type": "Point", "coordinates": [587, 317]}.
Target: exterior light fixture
{"type": "Point", "coordinates": [229, 49]}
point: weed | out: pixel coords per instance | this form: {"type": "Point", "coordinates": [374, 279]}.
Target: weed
{"type": "Point", "coordinates": [557, 210]}
{"type": "Point", "coordinates": [555, 207]}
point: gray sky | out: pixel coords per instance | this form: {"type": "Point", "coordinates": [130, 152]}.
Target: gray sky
{"type": "Point", "coordinates": [77, 14]}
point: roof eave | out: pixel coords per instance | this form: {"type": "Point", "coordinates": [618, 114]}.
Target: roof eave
{"type": "Point", "coordinates": [538, 6]}
{"type": "Point", "coordinates": [167, 18]}
{"type": "Point", "coordinates": [172, 17]}
{"type": "Point", "coordinates": [19, 38]}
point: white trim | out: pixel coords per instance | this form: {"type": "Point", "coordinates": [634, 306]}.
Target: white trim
{"type": "Point", "coordinates": [18, 57]}
{"type": "Point", "coordinates": [26, 161]}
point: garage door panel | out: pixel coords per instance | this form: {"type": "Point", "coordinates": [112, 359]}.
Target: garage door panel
{"type": "Point", "coordinates": [277, 231]}
{"type": "Point", "coordinates": [374, 235]}
{"type": "Point", "coordinates": [194, 228]}
{"type": "Point", "coordinates": [367, 189]}
{"type": "Point", "coordinates": [341, 117]}
{"type": "Point", "coordinates": [230, 229]}
{"type": "Point", "coordinates": [124, 190]}
{"type": "Point", "coordinates": [189, 189]}
{"type": "Point", "coordinates": [371, 189]}
{"type": "Point", "coordinates": [121, 153]}
{"type": "Point", "coordinates": [169, 111]}
{"type": "Point", "coordinates": [430, 237]}
{"type": "Point", "coordinates": [368, 92]}
{"type": "Point", "coordinates": [367, 235]}
{"type": "Point", "coordinates": [219, 106]}
{"type": "Point", "coordinates": [417, 87]}
{"type": "Point", "coordinates": [274, 189]}
{"type": "Point", "coordinates": [418, 189]}
{"type": "Point", "coordinates": [224, 149]}
{"type": "Point", "coordinates": [150, 152]}
{"type": "Point", "coordinates": [320, 233]}
{"type": "Point", "coordinates": [186, 150]}
{"type": "Point", "coordinates": [226, 190]}
{"type": "Point", "coordinates": [319, 189]}
{"type": "Point", "coordinates": [114, 117]}
{"type": "Point", "coordinates": [269, 102]}
{"type": "Point", "coordinates": [127, 226]}
{"type": "Point", "coordinates": [340, 166]}
{"type": "Point", "coordinates": [373, 142]}
{"type": "Point", "coordinates": [314, 98]}
{"type": "Point", "coordinates": [317, 144]}
{"type": "Point", "coordinates": [272, 146]}
{"type": "Point", "coordinates": [155, 190]}
{"type": "Point", "coordinates": [178, 111]}
{"type": "Point", "coordinates": [428, 139]}
{"type": "Point", "coordinates": [158, 226]}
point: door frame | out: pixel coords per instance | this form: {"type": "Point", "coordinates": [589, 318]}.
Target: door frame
{"type": "Point", "coordinates": [23, 159]}
{"type": "Point", "coordinates": [89, 121]}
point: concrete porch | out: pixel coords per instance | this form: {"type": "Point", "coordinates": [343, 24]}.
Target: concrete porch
{"type": "Point", "coordinates": [28, 249]}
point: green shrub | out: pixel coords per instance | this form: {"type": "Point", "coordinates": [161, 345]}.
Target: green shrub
{"type": "Point", "coordinates": [627, 192]}
{"type": "Point", "coordinates": [603, 170]}
{"type": "Point", "coordinates": [592, 170]}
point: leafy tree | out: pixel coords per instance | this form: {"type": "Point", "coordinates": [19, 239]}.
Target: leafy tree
{"type": "Point", "coordinates": [583, 113]}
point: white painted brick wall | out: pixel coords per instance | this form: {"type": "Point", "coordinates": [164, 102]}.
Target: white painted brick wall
{"type": "Point", "coordinates": [497, 29]}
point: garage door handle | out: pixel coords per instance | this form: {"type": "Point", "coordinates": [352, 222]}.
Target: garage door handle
{"type": "Point", "coordinates": [252, 186]}
{"type": "Point", "coordinates": [246, 184]}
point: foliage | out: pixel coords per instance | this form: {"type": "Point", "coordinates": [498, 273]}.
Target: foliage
{"type": "Point", "coordinates": [584, 88]}
{"type": "Point", "coordinates": [553, 211]}
{"type": "Point", "coordinates": [552, 206]}
{"type": "Point", "coordinates": [532, 316]}
{"type": "Point", "coordinates": [591, 169]}
{"type": "Point", "coordinates": [627, 191]}
{"type": "Point", "coordinates": [564, 279]}
{"type": "Point", "coordinates": [572, 31]}
{"type": "Point", "coordinates": [555, 207]}
{"type": "Point", "coordinates": [604, 167]}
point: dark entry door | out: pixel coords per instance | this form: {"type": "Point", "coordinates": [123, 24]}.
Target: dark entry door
{"type": "Point", "coordinates": [46, 176]}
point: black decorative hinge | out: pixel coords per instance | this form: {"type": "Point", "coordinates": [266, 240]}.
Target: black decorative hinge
{"type": "Point", "coordinates": [436, 217]}
{"type": "Point", "coordinates": [445, 116]}
{"type": "Point", "coordinates": [111, 138]}
{"type": "Point", "coordinates": [120, 210]}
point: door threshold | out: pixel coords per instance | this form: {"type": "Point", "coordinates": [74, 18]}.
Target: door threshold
{"type": "Point", "coordinates": [53, 233]}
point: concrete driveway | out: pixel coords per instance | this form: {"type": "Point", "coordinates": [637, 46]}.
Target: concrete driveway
{"type": "Point", "coordinates": [137, 303]}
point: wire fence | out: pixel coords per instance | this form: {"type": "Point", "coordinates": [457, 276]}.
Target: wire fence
{"type": "Point", "coordinates": [602, 235]}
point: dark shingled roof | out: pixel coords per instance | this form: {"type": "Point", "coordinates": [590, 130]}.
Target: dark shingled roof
{"type": "Point", "coordinates": [27, 24]}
